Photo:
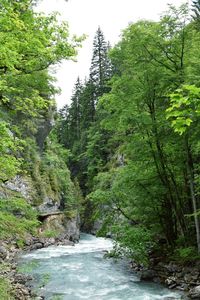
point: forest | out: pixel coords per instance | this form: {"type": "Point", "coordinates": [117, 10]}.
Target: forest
{"type": "Point", "coordinates": [132, 129]}
{"type": "Point", "coordinates": [125, 153]}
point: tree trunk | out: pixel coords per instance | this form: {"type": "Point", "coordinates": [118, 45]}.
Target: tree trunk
{"type": "Point", "coordinates": [192, 190]}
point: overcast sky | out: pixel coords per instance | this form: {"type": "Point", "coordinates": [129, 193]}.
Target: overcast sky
{"type": "Point", "coordinates": [84, 17]}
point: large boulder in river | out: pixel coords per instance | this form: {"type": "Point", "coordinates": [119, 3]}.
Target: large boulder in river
{"type": "Point", "coordinates": [147, 275]}
{"type": "Point", "coordinates": [195, 292]}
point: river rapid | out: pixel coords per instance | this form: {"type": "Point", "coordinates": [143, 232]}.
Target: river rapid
{"type": "Point", "coordinates": [81, 272]}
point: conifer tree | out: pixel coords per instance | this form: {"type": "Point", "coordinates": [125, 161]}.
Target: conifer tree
{"type": "Point", "coordinates": [101, 68]}
{"type": "Point", "coordinates": [75, 112]}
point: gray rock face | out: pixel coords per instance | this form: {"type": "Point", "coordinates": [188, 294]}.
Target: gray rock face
{"type": "Point", "coordinates": [21, 185]}
{"type": "Point", "coordinates": [48, 206]}
{"type": "Point", "coordinates": [72, 227]}
{"type": "Point", "coordinates": [68, 229]}
{"type": "Point", "coordinates": [195, 292]}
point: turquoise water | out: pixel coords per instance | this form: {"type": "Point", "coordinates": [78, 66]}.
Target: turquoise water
{"type": "Point", "coordinates": [81, 272]}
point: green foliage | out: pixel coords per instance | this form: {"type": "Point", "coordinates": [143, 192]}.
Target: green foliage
{"type": "Point", "coordinates": [30, 43]}
{"type": "Point", "coordinates": [79, 121]}
{"type": "Point", "coordinates": [70, 214]}
{"type": "Point", "coordinates": [144, 182]}
{"type": "Point", "coordinates": [185, 255]}
{"type": "Point", "coordinates": [132, 241]}
{"type": "Point", "coordinates": [6, 289]}
{"type": "Point", "coordinates": [184, 108]}
{"type": "Point", "coordinates": [50, 174]}
{"type": "Point", "coordinates": [57, 297]}
{"type": "Point", "coordinates": [9, 163]}
{"type": "Point", "coordinates": [50, 233]}
{"type": "Point", "coordinates": [45, 279]}
{"type": "Point", "coordinates": [17, 218]}
{"type": "Point", "coordinates": [28, 267]}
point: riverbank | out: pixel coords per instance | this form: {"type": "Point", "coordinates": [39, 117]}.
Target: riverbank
{"type": "Point", "coordinates": [18, 286]}
{"type": "Point", "coordinates": [174, 276]}
{"type": "Point", "coordinates": [82, 272]}
{"type": "Point", "coordinates": [181, 277]}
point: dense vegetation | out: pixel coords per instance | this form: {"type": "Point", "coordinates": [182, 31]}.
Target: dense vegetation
{"type": "Point", "coordinates": [30, 43]}
{"type": "Point", "coordinates": [133, 128]}
{"type": "Point", "coordinates": [129, 136]}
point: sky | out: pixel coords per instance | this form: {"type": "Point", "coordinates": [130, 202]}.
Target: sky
{"type": "Point", "coordinates": [84, 17]}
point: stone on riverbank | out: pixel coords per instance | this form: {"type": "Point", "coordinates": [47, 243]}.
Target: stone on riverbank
{"type": "Point", "coordinates": [195, 292]}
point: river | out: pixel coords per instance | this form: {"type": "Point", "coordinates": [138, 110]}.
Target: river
{"type": "Point", "coordinates": [81, 272]}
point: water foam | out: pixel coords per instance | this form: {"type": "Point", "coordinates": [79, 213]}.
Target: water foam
{"type": "Point", "coordinates": [84, 246]}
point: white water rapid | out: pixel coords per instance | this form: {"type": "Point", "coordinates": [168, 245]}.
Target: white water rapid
{"type": "Point", "coordinates": [81, 272]}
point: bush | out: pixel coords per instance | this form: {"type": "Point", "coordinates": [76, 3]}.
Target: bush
{"type": "Point", "coordinates": [17, 218]}
{"type": "Point", "coordinates": [50, 233]}
{"type": "Point", "coordinates": [132, 241]}
{"type": "Point", "coordinates": [6, 290]}
{"type": "Point", "coordinates": [185, 254]}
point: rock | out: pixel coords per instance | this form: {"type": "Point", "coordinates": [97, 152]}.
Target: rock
{"type": "Point", "coordinates": [170, 281]}
{"type": "Point", "coordinates": [169, 298]}
{"type": "Point", "coordinates": [172, 286]}
{"type": "Point", "coordinates": [194, 293]}
{"type": "Point", "coordinates": [172, 268]}
{"type": "Point", "coordinates": [157, 280]}
{"type": "Point", "coordinates": [22, 185]}
{"type": "Point", "coordinates": [48, 206]}
{"type": "Point", "coordinates": [36, 246]}
{"type": "Point", "coordinates": [28, 241]}
{"type": "Point", "coordinates": [3, 253]}
{"type": "Point", "coordinates": [147, 275]}
{"type": "Point", "coordinates": [183, 287]}
{"type": "Point", "coordinates": [22, 279]}
{"type": "Point", "coordinates": [190, 278]}
{"type": "Point", "coordinates": [72, 228]}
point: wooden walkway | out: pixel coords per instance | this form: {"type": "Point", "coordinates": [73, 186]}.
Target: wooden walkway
{"type": "Point", "coordinates": [50, 213]}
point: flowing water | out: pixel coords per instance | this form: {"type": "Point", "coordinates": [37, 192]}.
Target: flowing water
{"type": "Point", "coordinates": [81, 272]}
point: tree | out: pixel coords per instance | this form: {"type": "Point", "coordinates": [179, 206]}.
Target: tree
{"type": "Point", "coordinates": [101, 68]}
{"type": "Point", "coordinates": [9, 160]}
{"type": "Point", "coordinates": [184, 112]}
{"type": "Point", "coordinates": [152, 59]}
{"type": "Point", "coordinates": [196, 11]}
{"type": "Point", "coordinates": [75, 113]}
{"type": "Point", "coordinates": [29, 44]}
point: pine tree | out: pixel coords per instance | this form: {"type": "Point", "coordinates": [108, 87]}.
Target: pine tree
{"type": "Point", "coordinates": [101, 68]}
{"type": "Point", "coordinates": [75, 112]}
{"type": "Point", "coordinates": [87, 102]}
{"type": "Point", "coordinates": [62, 128]}
{"type": "Point", "coordinates": [68, 128]}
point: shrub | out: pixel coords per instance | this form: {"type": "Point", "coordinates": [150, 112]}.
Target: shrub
{"type": "Point", "coordinates": [6, 290]}
{"type": "Point", "coordinates": [185, 254]}
{"type": "Point", "coordinates": [17, 217]}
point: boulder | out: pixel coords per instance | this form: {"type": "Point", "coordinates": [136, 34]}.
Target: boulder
{"type": "Point", "coordinates": [194, 293]}
{"type": "Point", "coordinates": [3, 253]}
{"type": "Point", "coordinates": [147, 275]}
{"type": "Point", "coordinates": [36, 246]}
